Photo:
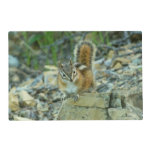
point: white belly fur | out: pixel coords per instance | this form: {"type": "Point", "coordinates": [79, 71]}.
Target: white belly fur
{"type": "Point", "coordinates": [71, 88]}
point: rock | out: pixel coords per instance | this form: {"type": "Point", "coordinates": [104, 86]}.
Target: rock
{"type": "Point", "coordinates": [38, 84]}
{"type": "Point", "coordinates": [15, 78]}
{"type": "Point", "coordinates": [137, 61]}
{"type": "Point", "coordinates": [11, 114]}
{"type": "Point", "coordinates": [117, 113]}
{"type": "Point", "coordinates": [28, 113]}
{"type": "Point", "coordinates": [100, 61]}
{"type": "Point", "coordinates": [42, 107]}
{"type": "Point", "coordinates": [116, 103]}
{"type": "Point", "coordinates": [92, 100]}
{"type": "Point", "coordinates": [88, 107]}
{"type": "Point", "coordinates": [111, 54]}
{"type": "Point", "coordinates": [108, 62]}
{"type": "Point", "coordinates": [13, 101]}
{"type": "Point", "coordinates": [71, 112]}
{"type": "Point", "coordinates": [26, 83]}
{"type": "Point", "coordinates": [131, 116]}
{"type": "Point", "coordinates": [35, 83]}
{"type": "Point", "coordinates": [51, 68]}
{"type": "Point", "coordinates": [102, 106]}
{"type": "Point", "coordinates": [26, 99]}
{"type": "Point", "coordinates": [135, 99]}
{"type": "Point", "coordinates": [132, 96]}
{"type": "Point", "coordinates": [123, 61]}
{"type": "Point", "coordinates": [54, 109]}
{"type": "Point", "coordinates": [109, 73]}
{"type": "Point", "coordinates": [50, 77]}
{"type": "Point", "coordinates": [105, 74]}
{"type": "Point", "coordinates": [13, 61]}
{"type": "Point", "coordinates": [119, 62]}
{"type": "Point", "coordinates": [21, 118]}
{"type": "Point", "coordinates": [105, 87]}
{"type": "Point", "coordinates": [117, 66]}
{"type": "Point", "coordinates": [123, 52]}
{"type": "Point", "coordinates": [56, 96]}
{"type": "Point", "coordinates": [129, 73]}
{"type": "Point", "coordinates": [96, 67]}
{"type": "Point", "coordinates": [134, 113]}
{"type": "Point", "coordinates": [42, 97]}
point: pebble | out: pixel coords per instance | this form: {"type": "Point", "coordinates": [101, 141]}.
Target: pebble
{"type": "Point", "coordinates": [13, 61]}
{"type": "Point", "coordinates": [13, 101]}
{"type": "Point", "coordinates": [26, 99]}
{"type": "Point", "coordinates": [117, 66]}
{"type": "Point", "coordinates": [137, 61]}
{"type": "Point", "coordinates": [108, 62]}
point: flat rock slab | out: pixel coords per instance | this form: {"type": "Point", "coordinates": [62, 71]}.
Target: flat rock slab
{"type": "Point", "coordinates": [91, 106]}
{"type": "Point", "coordinates": [97, 100]}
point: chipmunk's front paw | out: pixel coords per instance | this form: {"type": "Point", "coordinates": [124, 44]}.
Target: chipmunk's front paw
{"type": "Point", "coordinates": [76, 98]}
{"type": "Point", "coordinates": [63, 96]}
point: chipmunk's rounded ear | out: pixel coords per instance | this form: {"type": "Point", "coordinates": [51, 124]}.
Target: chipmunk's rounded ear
{"type": "Point", "coordinates": [60, 65]}
{"type": "Point", "coordinates": [71, 62]}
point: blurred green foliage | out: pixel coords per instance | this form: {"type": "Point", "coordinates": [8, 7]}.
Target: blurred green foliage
{"type": "Point", "coordinates": [42, 41]}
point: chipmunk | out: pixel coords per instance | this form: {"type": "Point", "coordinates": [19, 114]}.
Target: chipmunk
{"type": "Point", "coordinates": [76, 78]}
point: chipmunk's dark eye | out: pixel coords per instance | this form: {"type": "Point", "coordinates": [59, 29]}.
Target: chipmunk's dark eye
{"type": "Point", "coordinates": [63, 75]}
{"type": "Point", "coordinates": [74, 72]}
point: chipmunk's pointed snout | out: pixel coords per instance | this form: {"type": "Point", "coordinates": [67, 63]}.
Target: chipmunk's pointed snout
{"type": "Point", "coordinates": [71, 80]}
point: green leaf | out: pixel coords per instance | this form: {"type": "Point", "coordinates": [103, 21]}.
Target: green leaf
{"type": "Point", "coordinates": [33, 38]}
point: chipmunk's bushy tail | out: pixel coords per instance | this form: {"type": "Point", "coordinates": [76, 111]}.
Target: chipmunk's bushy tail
{"type": "Point", "coordinates": [84, 53]}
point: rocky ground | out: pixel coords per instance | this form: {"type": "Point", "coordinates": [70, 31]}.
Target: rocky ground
{"type": "Point", "coordinates": [118, 86]}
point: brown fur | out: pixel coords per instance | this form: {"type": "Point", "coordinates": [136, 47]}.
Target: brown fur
{"type": "Point", "coordinates": [85, 80]}
{"type": "Point", "coordinates": [60, 83]}
{"type": "Point", "coordinates": [84, 53]}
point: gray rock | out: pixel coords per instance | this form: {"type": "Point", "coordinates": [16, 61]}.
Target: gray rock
{"type": "Point", "coordinates": [137, 61]}
{"type": "Point", "coordinates": [135, 99]}
{"type": "Point", "coordinates": [42, 107]}
{"type": "Point", "coordinates": [117, 113]}
{"type": "Point", "coordinates": [115, 100]}
{"type": "Point", "coordinates": [42, 97]}
{"type": "Point", "coordinates": [28, 113]}
{"type": "Point", "coordinates": [13, 61]}
{"type": "Point", "coordinates": [116, 103]}
{"type": "Point", "coordinates": [108, 62]}
{"type": "Point", "coordinates": [106, 88]}
{"type": "Point", "coordinates": [72, 112]}
{"type": "Point", "coordinates": [100, 61]}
